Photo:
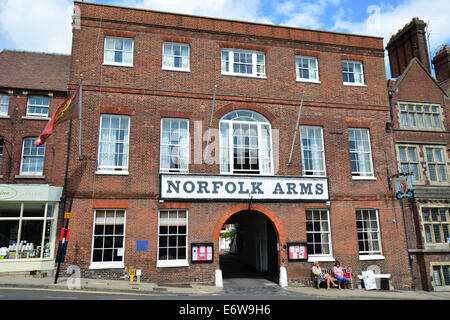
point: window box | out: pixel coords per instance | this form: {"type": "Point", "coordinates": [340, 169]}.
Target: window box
{"type": "Point", "coordinates": [419, 116]}
{"type": "Point", "coordinates": [313, 153]}
{"type": "Point", "coordinates": [4, 104]}
{"type": "Point", "coordinates": [368, 230]}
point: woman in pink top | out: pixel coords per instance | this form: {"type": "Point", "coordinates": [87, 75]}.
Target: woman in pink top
{"type": "Point", "coordinates": [339, 274]}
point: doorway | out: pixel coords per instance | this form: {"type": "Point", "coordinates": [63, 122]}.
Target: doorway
{"type": "Point", "coordinates": [252, 252]}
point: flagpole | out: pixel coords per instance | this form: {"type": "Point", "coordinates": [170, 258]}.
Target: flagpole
{"type": "Point", "coordinates": [79, 115]}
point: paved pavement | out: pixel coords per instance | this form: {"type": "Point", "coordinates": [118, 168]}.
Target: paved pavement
{"type": "Point", "coordinates": [235, 287]}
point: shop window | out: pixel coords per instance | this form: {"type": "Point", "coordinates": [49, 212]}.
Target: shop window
{"type": "Point", "coordinates": [360, 153]}
{"type": "Point", "coordinates": [38, 106]}
{"type": "Point", "coordinates": [32, 158]}
{"type": "Point", "coordinates": [119, 51]}
{"type": "Point", "coordinates": [318, 233]}
{"type": "Point", "coordinates": [368, 229]}
{"type": "Point", "coordinates": [175, 56]}
{"type": "Point", "coordinates": [436, 223]}
{"type": "Point", "coordinates": [4, 104]}
{"type": "Point", "coordinates": [174, 145]}
{"type": "Point", "coordinates": [108, 238]}
{"type": "Point", "coordinates": [27, 230]}
{"type": "Point", "coordinates": [172, 241]}
{"type": "Point", "coordinates": [313, 157]}
{"type": "Point", "coordinates": [113, 144]}
{"type": "Point", "coordinates": [245, 143]}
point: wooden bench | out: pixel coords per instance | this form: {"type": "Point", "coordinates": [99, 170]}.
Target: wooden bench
{"type": "Point", "coordinates": [316, 282]}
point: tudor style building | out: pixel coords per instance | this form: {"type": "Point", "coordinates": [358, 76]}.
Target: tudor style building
{"type": "Point", "coordinates": [422, 138]}
{"type": "Point", "coordinates": [155, 186]}
{"type": "Point", "coordinates": [32, 86]}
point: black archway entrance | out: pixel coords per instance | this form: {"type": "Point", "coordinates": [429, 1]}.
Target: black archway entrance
{"type": "Point", "coordinates": [253, 252]}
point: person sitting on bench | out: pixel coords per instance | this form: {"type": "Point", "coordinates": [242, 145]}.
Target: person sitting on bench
{"type": "Point", "coordinates": [317, 271]}
{"type": "Point", "coordinates": [339, 274]}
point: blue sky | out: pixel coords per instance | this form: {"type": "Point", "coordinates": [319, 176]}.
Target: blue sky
{"type": "Point", "coordinates": [44, 25]}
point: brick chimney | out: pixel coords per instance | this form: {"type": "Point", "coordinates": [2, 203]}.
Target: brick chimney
{"type": "Point", "coordinates": [408, 43]}
{"type": "Point", "coordinates": [441, 62]}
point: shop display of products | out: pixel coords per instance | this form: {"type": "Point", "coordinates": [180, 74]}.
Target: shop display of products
{"type": "Point", "coordinates": [25, 251]}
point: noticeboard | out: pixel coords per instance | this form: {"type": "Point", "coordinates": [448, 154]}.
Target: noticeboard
{"type": "Point", "coordinates": [297, 251]}
{"type": "Point", "coordinates": [202, 252]}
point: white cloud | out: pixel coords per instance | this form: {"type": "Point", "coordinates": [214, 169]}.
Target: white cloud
{"type": "Point", "coordinates": [228, 9]}
{"type": "Point", "coordinates": [385, 20]}
{"type": "Point", "coordinates": [42, 25]}
{"type": "Point", "coordinates": [305, 14]}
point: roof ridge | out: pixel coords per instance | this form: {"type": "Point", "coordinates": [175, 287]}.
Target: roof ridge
{"type": "Point", "coordinates": [36, 52]}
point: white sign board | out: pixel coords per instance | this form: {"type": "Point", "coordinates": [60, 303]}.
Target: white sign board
{"type": "Point", "coordinates": [26, 192]}
{"type": "Point", "coordinates": [369, 280]}
{"type": "Point", "coordinates": [218, 188]}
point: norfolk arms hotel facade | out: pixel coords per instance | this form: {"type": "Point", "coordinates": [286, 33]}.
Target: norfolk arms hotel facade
{"type": "Point", "coordinates": [154, 186]}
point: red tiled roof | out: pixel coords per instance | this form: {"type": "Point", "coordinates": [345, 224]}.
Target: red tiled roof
{"type": "Point", "coordinates": [30, 70]}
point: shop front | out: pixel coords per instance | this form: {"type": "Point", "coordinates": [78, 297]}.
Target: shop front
{"type": "Point", "coordinates": [28, 219]}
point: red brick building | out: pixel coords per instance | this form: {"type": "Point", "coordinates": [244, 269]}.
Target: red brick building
{"type": "Point", "coordinates": [146, 194]}
{"type": "Point", "coordinates": [32, 86]}
{"type": "Point", "coordinates": [421, 132]}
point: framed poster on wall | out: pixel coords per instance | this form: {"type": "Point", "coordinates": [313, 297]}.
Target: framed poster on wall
{"type": "Point", "coordinates": [297, 251]}
{"type": "Point", "coordinates": [202, 252]}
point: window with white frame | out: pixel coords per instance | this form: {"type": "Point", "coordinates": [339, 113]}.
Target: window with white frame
{"type": "Point", "coordinates": [1, 154]}
{"type": "Point", "coordinates": [172, 238]}
{"type": "Point", "coordinates": [4, 104]}
{"type": "Point", "coordinates": [360, 152]}
{"type": "Point", "coordinates": [420, 116]}
{"type": "Point", "coordinates": [352, 72]}
{"type": "Point", "coordinates": [245, 143]}
{"type": "Point", "coordinates": [175, 56]}
{"type": "Point", "coordinates": [38, 106]}
{"type": "Point", "coordinates": [436, 224]}
{"type": "Point", "coordinates": [368, 229]}
{"type": "Point", "coordinates": [318, 233]}
{"type": "Point", "coordinates": [243, 62]}
{"type": "Point", "coordinates": [441, 275]}
{"type": "Point", "coordinates": [27, 230]}
{"type": "Point", "coordinates": [119, 51]}
{"type": "Point", "coordinates": [307, 68]}
{"type": "Point", "coordinates": [174, 148]}
{"type": "Point", "coordinates": [437, 168]}
{"type": "Point", "coordinates": [313, 157]}
{"type": "Point", "coordinates": [409, 161]}
{"type": "Point", "coordinates": [113, 143]}
{"type": "Point", "coordinates": [108, 238]}
{"type": "Point", "coordinates": [32, 158]}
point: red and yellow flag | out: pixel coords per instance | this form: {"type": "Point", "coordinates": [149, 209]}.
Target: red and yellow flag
{"type": "Point", "coordinates": [68, 110]}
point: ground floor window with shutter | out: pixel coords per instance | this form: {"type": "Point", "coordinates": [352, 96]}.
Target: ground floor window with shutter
{"type": "Point", "coordinates": [172, 240]}
{"type": "Point", "coordinates": [108, 239]}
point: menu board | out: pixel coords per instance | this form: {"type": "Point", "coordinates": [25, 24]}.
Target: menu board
{"type": "Point", "coordinates": [297, 251]}
{"type": "Point", "coordinates": [202, 252]}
